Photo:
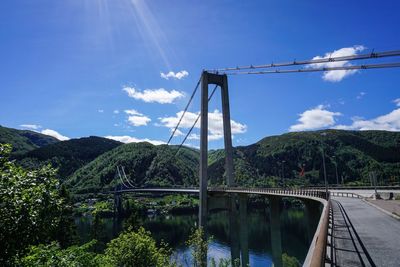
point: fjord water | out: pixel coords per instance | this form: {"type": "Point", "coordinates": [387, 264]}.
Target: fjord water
{"type": "Point", "coordinates": [296, 233]}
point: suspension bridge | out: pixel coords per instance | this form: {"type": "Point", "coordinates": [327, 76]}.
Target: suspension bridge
{"type": "Point", "coordinates": [330, 246]}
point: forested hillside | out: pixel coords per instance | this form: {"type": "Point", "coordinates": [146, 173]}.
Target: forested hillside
{"type": "Point", "coordinates": [356, 153]}
{"type": "Point", "coordinates": [89, 164]}
{"type": "Point", "coordinates": [145, 165]}
{"type": "Point", "coordinates": [23, 141]}
{"type": "Point", "coordinates": [67, 156]}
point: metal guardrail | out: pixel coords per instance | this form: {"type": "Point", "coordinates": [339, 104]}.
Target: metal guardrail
{"type": "Point", "coordinates": [316, 255]}
{"type": "Point", "coordinates": [278, 191]}
{"type": "Point", "coordinates": [358, 187]}
{"type": "Point", "coordinates": [345, 194]}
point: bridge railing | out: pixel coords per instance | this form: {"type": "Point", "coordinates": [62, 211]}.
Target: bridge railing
{"type": "Point", "coordinates": [316, 255]}
{"type": "Point", "coordinates": [278, 191]}
{"type": "Point", "coordinates": [345, 194]}
{"type": "Point", "coordinates": [358, 187]}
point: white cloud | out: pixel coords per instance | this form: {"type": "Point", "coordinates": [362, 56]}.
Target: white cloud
{"type": "Point", "coordinates": [215, 126]}
{"type": "Point", "coordinates": [338, 75]}
{"type": "Point", "coordinates": [388, 122]}
{"type": "Point", "coordinates": [132, 112]}
{"type": "Point", "coordinates": [131, 139]}
{"type": "Point", "coordinates": [315, 118]}
{"type": "Point", "coordinates": [138, 120]}
{"type": "Point", "coordinates": [178, 75]}
{"type": "Point", "coordinates": [116, 111]}
{"type": "Point", "coordinates": [100, 110]}
{"type": "Point", "coordinates": [194, 137]}
{"type": "Point", "coordinates": [397, 102]}
{"type": "Point", "coordinates": [361, 95]}
{"type": "Point", "coordinates": [31, 126]}
{"type": "Point", "coordinates": [160, 95]}
{"type": "Point", "coordinates": [55, 134]}
{"type": "Point", "coordinates": [177, 132]}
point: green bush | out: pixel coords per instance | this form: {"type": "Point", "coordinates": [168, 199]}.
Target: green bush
{"type": "Point", "coordinates": [32, 211]}
{"type": "Point", "coordinates": [136, 249]}
{"type": "Point", "coordinates": [53, 255]}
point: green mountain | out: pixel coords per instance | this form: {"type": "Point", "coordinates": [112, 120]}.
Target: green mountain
{"type": "Point", "coordinates": [90, 164]}
{"type": "Point", "coordinates": [24, 140]}
{"type": "Point", "coordinates": [68, 156]}
{"type": "Point", "coordinates": [145, 165]}
{"type": "Point", "coordinates": [356, 153]}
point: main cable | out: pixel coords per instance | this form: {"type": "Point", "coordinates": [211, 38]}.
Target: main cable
{"type": "Point", "coordinates": [195, 122]}
{"type": "Point", "coordinates": [356, 67]}
{"type": "Point", "coordinates": [120, 178]}
{"type": "Point", "coordinates": [126, 178]}
{"type": "Point", "coordinates": [184, 111]}
{"type": "Point", "coordinates": [313, 61]}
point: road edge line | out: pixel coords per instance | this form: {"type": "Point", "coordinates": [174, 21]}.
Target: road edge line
{"type": "Point", "coordinates": [383, 210]}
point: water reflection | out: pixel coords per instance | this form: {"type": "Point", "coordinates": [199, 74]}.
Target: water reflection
{"type": "Point", "coordinates": [248, 231]}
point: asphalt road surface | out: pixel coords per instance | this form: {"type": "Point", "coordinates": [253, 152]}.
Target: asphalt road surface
{"type": "Point", "coordinates": [379, 232]}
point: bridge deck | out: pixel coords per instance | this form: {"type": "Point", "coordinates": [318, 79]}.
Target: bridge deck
{"type": "Point", "coordinates": [379, 232]}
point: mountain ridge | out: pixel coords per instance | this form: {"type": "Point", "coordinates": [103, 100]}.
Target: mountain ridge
{"type": "Point", "coordinates": [88, 165]}
{"type": "Point", "coordinates": [24, 140]}
{"type": "Point", "coordinates": [68, 156]}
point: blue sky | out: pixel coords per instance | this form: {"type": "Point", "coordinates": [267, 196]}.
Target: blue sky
{"type": "Point", "coordinates": [93, 67]}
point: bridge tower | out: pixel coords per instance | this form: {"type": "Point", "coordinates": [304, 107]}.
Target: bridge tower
{"type": "Point", "coordinates": [117, 201]}
{"type": "Point", "coordinates": [222, 82]}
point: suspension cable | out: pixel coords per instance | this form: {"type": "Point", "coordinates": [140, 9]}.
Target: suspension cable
{"type": "Point", "coordinates": [195, 122]}
{"type": "Point", "coordinates": [184, 111]}
{"type": "Point", "coordinates": [313, 61]}
{"type": "Point", "coordinates": [120, 178]}
{"type": "Point", "coordinates": [356, 67]}
{"type": "Point", "coordinates": [126, 178]}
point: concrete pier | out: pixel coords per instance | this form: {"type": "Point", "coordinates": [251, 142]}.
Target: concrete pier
{"type": "Point", "coordinates": [244, 234]}
{"type": "Point", "coordinates": [276, 237]}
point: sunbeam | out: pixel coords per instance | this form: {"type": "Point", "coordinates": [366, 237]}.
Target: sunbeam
{"type": "Point", "coordinates": [150, 30]}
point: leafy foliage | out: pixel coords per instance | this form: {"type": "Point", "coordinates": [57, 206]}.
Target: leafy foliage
{"type": "Point", "coordinates": [199, 246]}
{"type": "Point", "coordinates": [289, 261]}
{"type": "Point", "coordinates": [136, 249]}
{"type": "Point", "coordinates": [131, 248]}
{"type": "Point", "coordinates": [23, 141]}
{"type": "Point", "coordinates": [68, 156]}
{"type": "Point", "coordinates": [53, 255]}
{"type": "Point", "coordinates": [31, 209]}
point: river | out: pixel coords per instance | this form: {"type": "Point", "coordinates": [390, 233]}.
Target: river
{"type": "Point", "coordinates": [296, 233]}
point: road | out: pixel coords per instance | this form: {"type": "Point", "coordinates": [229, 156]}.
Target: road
{"type": "Point", "coordinates": [366, 192]}
{"type": "Point", "coordinates": [379, 232]}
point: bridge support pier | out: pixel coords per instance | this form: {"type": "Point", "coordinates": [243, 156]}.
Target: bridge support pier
{"type": "Point", "coordinates": [236, 205]}
{"type": "Point", "coordinates": [312, 212]}
{"type": "Point", "coordinates": [117, 204]}
{"type": "Point", "coordinates": [222, 82]}
{"type": "Point", "coordinates": [234, 229]}
{"type": "Point", "coordinates": [244, 234]}
{"type": "Point", "coordinates": [276, 238]}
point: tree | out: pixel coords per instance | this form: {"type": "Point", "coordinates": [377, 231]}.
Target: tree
{"type": "Point", "coordinates": [53, 255]}
{"type": "Point", "coordinates": [30, 209]}
{"type": "Point", "coordinates": [65, 232]}
{"type": "Point", "coordinates": [136, 249]}
{"type": "Point", "coordinates": [199, 245]}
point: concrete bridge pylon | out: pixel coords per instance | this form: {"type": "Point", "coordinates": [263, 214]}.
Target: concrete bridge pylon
{"type": "Point", "coordinates": [222, 82]}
